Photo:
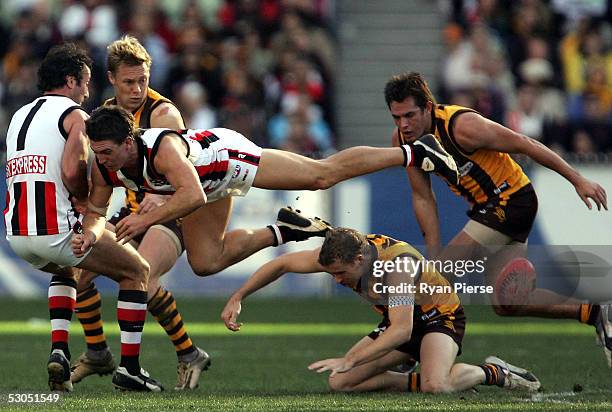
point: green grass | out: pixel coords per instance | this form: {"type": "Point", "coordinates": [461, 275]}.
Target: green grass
{"type": "Point", "coordinates": [263, 367]}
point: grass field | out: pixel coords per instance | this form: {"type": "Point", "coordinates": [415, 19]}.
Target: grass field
{"type": "Point", "coordinates": [263, 367]}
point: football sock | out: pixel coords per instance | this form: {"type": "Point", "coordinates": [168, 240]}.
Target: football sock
{"type": "Point", "coordinates": [494, 375]}
{"type": "Point", "coordinates": [131, 314]}
{"type": "Point", "coordinates": [278, 237]}
{"type": "Point", "coordinates": [412, 155]}
{"type": "Point", "coordinates": [89, 313]}
{"type": "Point", "coordinates": [163, 308]}
{"type": "Point", "coordinates": [62, 296]}
{"type": "Point", "coordinates": [588, 314]}
{"type": "Point", "coordinates": [414, 382]}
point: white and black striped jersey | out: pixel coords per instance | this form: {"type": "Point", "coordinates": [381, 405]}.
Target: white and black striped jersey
{"type": "Point", "coordinates": [210, 152]}
{"type": "Point", "coordinates": [37, 201]}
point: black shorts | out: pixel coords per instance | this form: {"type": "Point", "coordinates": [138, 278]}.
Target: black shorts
{"type": "Point", "coordinates": [173, 226]}
{"type": "Point", "coordinates": [452, 324]}
{"type": "Point", "coordinates": [514, 218]}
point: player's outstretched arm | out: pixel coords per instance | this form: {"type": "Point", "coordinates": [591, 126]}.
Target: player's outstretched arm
{"type": "Point", "coordinates": [298, 262]}
{"type": "Point", "coordinates": [170, 161]}
{"type": "Point", "coordinates": [472, 131]}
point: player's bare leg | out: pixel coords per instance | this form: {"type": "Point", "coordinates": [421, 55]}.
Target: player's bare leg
{"type": "Point", "coordinates": [439, 373]}
{"type": "Point", "coordinates": [209, 248]}
{"type": "Point", "coordinates": [131, 271]}
{"type": "Point", "coordinates": [282, 170]}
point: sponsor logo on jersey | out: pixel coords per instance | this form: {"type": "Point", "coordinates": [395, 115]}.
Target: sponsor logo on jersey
{"type": "Point", "coordinates": [236, 171]}
{"type": "Point", "coordinates": [26, 164]}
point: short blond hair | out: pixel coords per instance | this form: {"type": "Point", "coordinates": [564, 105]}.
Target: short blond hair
{"type": "Point", "coordinates": [127, 50]}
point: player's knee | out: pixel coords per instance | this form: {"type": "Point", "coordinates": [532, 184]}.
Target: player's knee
{"type": "Point", "coordinates": [201, 268]}
{"type": "Point", "coordinates": [139, 272]}
{"type": "Point", "coordinates": [338, 384]}
{"type": "Point", "coordinates": [435, 387]}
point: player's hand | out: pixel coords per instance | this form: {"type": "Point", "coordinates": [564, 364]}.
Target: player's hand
{"type": "Point", "coordinates": [335, 365]}
{"type": "Point", "coordinates": [82, 242]}
{"type": "Point", "coordinates": [151, 202]}
{"type": "Point", "coordinates": [587, 189]}
{"type": "Point", "coordinates": [130, 227]}
{"type": "Point", "coordinates": [230, 314]}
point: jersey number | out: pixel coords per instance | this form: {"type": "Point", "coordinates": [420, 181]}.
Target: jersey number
{"type": "Point", "coordinates": [26, 124]}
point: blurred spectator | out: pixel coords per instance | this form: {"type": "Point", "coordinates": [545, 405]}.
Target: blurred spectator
{"type": "Point", "coordinates": [525, 118]}
{"type": "Point", "coordinates": [142, 25]}
{"type": "Point", "coordinates": [191, 100]}
{"type": "Point", "coordinates": [583, 146]}
{"type": "Point", "coordinates": [196, 60]}
{"type": "Point", "coordinates": [300, 128]}
{"type": "Point", "coordinates": [550, 101]}
{"type": "Point", "coordinates": [95, 20]}
{"type": "Point", "coordinates": [560, 55]}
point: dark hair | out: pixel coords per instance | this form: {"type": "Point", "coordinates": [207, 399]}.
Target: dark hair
{"type": "Point", "coordinates": [405, 85]}
{"type": "Point", "coordinates": [110, 123]}
{"type": "Point", "coordinates": [341, 245]}
{"type": "Point", "coordinates": [61, 61]}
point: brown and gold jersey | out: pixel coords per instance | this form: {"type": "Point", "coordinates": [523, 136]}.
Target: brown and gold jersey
{"type": "Point", "coordinates": [142, 116]}
{"type": "Point", "coordinates": [484, 174]}
{"type": "Point", "coordinates": [426, 305]}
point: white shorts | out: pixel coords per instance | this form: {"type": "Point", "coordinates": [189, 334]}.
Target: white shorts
{"type": "Point", "coordinates": [40, 251]}
{"type": "Point", "coordinates": [244, 158]}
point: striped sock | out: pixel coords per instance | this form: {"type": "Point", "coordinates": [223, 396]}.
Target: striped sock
{"type": "Point", "coordinates": [494, 375]}
{"type": "Point", "coordinates": [588, 313]}
{"type": "Point", "coordinates": [88, 311]}
{"type": "Point", "coordinates": [62, 297]}
{"type": "Point", "coordinates": [414, 382]}
{"type": "Point", "coordinates": [163, 307]}
{"type": "Point", "coordinates": [131, 314]}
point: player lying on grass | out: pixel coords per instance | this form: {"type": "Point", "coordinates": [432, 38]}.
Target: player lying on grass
{"type": "Point", "coordinates": [203, 169]}
{"type": "Point", "coordinates": [428, 328]}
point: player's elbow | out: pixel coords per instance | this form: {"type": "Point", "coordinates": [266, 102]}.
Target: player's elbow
{"type": "Point", "coordinates": [76, 181]}
{"type": "Point", "coordinates": [196, 199]}
{"type": "Point", "coordinates": [400, 335]}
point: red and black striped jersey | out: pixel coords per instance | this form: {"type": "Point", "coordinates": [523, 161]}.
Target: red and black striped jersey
{"type": "Point", "coordinates": [37, 201]}
{"type": "Point", "coordinates": [208, 150]}
{"type": "Point", "coordinates": [142, 117]}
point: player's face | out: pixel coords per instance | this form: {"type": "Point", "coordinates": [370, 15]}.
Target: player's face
{"type": "Point", "coordinates": [80, 91]}
{"type": "Point", "coordinates": [412, 121]}
{"type": "Point", "coordinates": [346, 274]}
{"type": "Point", "coordinates": [111, 155]}
{"type": "Point", "coordinates": [130, 84]}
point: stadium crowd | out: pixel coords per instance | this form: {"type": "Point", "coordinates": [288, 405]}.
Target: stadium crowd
{"type": "Point", "coordinates": [542, 68]}
{"type": "Point", "coordinates": [263, 68]}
